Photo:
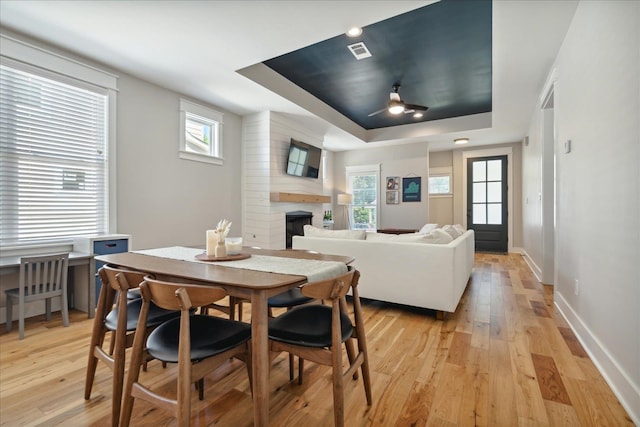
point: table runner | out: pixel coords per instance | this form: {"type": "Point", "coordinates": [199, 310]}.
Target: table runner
{"type": "Point", "coordinates": [314, 270]}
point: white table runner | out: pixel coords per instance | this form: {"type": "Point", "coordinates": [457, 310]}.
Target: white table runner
{"type": "Point", "coordinates": [314, 270]}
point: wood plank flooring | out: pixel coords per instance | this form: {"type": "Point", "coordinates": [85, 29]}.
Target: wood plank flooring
{"type": "Point", "coordinates": [505, 358]}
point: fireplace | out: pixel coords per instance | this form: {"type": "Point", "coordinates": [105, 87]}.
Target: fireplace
{"type": "Point", "coordinates": [295, 222]}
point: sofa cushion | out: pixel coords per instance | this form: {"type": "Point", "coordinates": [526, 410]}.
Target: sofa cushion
{"type": "Point", "coordinates": [434, 237]}
{"type": "Point", "coordinates": [379, 237]}
{"type": "Point", "coordinates": [311, 231]}
{"type": "Point", "coordinates": [427, 228]}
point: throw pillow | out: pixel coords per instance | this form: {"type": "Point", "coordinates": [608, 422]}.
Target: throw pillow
{"type": "Point", "coordinates": [452, 231]}
{"type": "Point", "coordinates": [428, 228]}
{"type": "Point", "coordinates": [311, 231]}
{"type": "Point", "coordinates": [460, 229]}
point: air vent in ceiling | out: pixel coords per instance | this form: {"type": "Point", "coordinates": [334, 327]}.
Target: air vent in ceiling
{"type": "Point", "coordinates": [359, 50]}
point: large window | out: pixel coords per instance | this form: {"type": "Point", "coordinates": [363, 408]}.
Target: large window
{"type": "Point", "coordinates": [53, 156]}
{"type": "Point", "coordinates": [362, 183]}
{"type": "Point", "coordinates": [201, 133]}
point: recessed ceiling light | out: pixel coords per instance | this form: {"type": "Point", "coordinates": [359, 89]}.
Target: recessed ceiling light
{"type": "Point", "coordinates": [461, 140]}
{"type": "Point", "coordinates": [354, 31]}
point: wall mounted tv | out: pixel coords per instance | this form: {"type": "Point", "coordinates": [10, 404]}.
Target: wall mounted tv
{"type": "Point", "coordinates": [303, 159]}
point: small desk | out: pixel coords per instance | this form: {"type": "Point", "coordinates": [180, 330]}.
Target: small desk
{"type": "Point", "coordinates": [257, 286]}
{"type": "Point", "coordinates": [11, 265]}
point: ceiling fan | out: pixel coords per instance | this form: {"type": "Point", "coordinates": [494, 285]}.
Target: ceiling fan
{"type": "Point", "coordinates": [398, 106]}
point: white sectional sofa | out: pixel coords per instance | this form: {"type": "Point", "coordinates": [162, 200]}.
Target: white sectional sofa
{"type": "Point", "coordinates": [398, 270]}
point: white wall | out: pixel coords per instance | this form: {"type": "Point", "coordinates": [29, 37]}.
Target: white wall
{"type": "Point", "coordinates": [164, 200]}
{"type": "Point", "coordinates": [597, 102]}
{"type": "Point", "coordinates": [405, 161]}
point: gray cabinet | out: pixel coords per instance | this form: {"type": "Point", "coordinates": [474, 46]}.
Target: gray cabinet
{"type": "Point", "coordinates": [100, 245]}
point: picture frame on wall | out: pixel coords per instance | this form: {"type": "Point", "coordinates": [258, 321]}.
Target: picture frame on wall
{"type": "Point", "coordinates": [393, 183]}
{"type": "Point", "coordinates": [411, 189]}
{"type": "Point", "coordinates": [393, 198]}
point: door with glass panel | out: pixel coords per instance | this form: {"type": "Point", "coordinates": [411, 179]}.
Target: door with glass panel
{"type": "Point", "coordinates": [487, 202]}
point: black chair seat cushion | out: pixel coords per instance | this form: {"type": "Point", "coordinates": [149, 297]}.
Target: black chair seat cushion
{"type": "Point", "coordinates": [289, 298]}
{"type": "Point", "coordinates": [209, 336]}
{"type": "Point", "coordinates": [157, 315]}
{"type": "Point", "coordinates": [134, 294]}
{"type": "Point", "coordinates": [309, 326]}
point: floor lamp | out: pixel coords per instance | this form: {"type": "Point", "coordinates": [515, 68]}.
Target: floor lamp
{"type": "Point", "coordinates": [345, 200]}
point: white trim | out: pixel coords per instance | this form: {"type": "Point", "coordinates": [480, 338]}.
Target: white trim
{"type": "Point", "coordinates": [500, 151]}
{"type": "Point", "coordinates": [209, 115]}
{"type": "Point", "coordinates": [532, 265]}
{"type": "Point", "coordinates": [621, 384]}
{"type": "Point", "coordinates": [375, 167]}
{"type": "Point", "coordinates": [31, 54]}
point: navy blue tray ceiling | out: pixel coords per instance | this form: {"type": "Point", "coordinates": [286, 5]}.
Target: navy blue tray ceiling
{"type": "Point", "coordinates": [440, 54]}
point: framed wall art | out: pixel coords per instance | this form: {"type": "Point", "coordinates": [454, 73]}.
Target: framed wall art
{"type": "Point", "coordinates": [411, 189]}
{"type": "Point", "coordinates": [393, 183]}
{"type": "Point", "coordinates": [393, 197]}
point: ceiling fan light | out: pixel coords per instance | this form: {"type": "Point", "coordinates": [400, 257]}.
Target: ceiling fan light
{"type": "Point", "coordinates": [460, 141]}
{"type": "Point", "coordinates": [417, 115]}
{"type": "Point", "coordinates": [396, 107]}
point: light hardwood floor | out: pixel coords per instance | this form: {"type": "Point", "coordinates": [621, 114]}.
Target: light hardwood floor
{"type": "Point", "coordinates": [505, 358]}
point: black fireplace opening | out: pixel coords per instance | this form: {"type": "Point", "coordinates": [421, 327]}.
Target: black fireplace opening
{"type": "Point", "coordinates": [295, 222]}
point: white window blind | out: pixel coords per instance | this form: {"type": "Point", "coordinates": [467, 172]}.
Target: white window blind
{"type": "Point", "coordinates": [53, 159]}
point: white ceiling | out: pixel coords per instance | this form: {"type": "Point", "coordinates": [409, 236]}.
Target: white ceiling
{"type": "Point", "coordinates": [198, 48]}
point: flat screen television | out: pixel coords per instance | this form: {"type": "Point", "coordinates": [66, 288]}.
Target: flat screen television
{"type": "Point", "coordinates": [303, 159]}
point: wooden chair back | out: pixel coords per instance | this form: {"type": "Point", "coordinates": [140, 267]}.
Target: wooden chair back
{"type": "Point", "coordinates": [331, 289]}
{"type": "Point", "coordinates": [180, 296]}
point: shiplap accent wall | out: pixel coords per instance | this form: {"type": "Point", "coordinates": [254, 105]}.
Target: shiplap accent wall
{"type": "Point", "coordinates": [266, 138]}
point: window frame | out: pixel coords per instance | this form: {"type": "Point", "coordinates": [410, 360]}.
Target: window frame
{"type": "Point", "coordinates": [50, 65]}
{"type": "Point", "coordinates": [351, 171]}
{"type": "Point", "coordinates": [208, 116]}
{"type": "Point", "coordinates": [440, 172]}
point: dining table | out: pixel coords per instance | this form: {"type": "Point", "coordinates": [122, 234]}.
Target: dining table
{"type": "Point", "coordinates": [251, 284]}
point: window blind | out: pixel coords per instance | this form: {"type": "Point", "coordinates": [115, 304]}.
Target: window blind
{"type": "Point", "coordinates": [53, 159]}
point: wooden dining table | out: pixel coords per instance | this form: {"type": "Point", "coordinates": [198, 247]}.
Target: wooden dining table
{"type": "Point", "coordinates": [253, 285]}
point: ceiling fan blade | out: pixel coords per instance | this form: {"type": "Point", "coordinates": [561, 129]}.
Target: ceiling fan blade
{"type": "Point", "coordinates": [415, 107]}
{"type": "Point", "coordinates": [377, 112]}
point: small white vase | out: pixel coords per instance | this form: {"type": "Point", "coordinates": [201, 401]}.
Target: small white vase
{"type": "Point", "coordinates": [221, 249]}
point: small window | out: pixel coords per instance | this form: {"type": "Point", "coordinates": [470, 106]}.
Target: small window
{"type": "Point", "coordinates": [440, 182]}
{"type": "Point", "coordinates": [200, 133]}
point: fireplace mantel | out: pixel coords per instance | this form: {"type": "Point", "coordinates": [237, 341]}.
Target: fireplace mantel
{"type": "Point", "coordinates": [299, 198]}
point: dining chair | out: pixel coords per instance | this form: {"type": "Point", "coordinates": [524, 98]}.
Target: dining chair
{"type": "Point", "coordinates": [41, 278]}
{"type": "Point", "coordinates": [198, 343]}
{"type": "Point", "coordinates": [317, 332]}
{"type": "Point", "coordinates": [121, 321]}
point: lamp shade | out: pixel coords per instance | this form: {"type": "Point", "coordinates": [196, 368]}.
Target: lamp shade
{"type": "Point", "coordinates": [345, 199]}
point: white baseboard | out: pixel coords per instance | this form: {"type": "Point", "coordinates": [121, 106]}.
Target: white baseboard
{"type": "Point", "coordinates": [537, 271]}
{"type": "Point", "coordinates": [624, 389]}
